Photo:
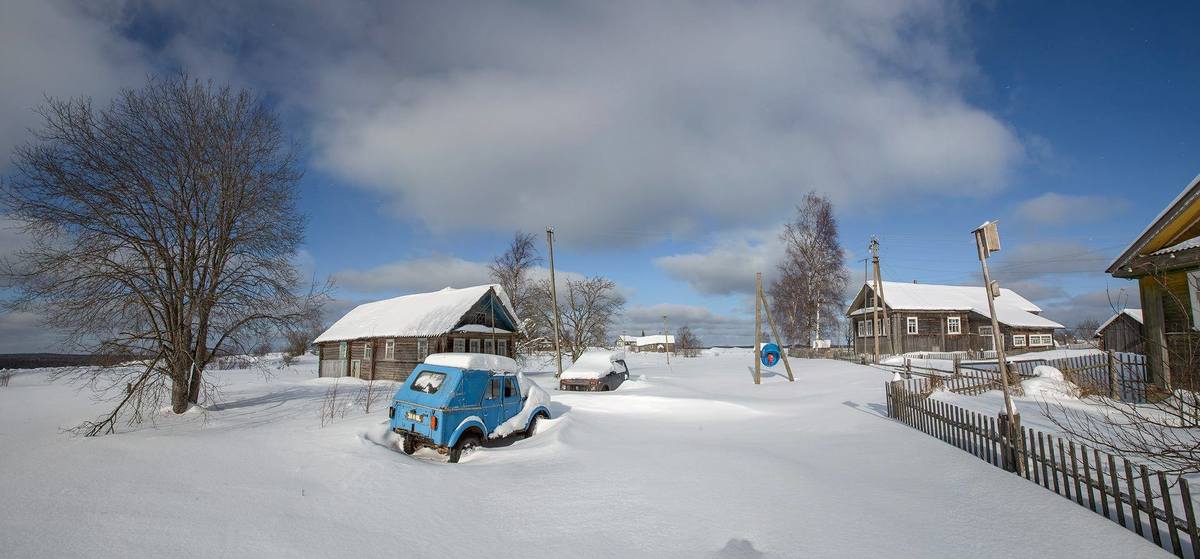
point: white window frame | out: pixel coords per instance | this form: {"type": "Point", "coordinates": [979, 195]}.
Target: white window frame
{"type": "Point", "coordinates": [862, 328]}
{"type": "Point", "coordinates": [460, 345]}
{"type": "Point", "coordinates": [474, 345]}
{"type": "Point", "coordinates": [954, 325]}
{"type": "Point", "coordinates": [502, 347]}
{"type": "Point", "coordinates": [389, 349]}
{"type": "Point", "coordinates": [489, 346]}
{"type": "Point", "coordinates": [1041, 340]}
{"type": "Point", "coordinates": [870, 328]}
{"type": "Point", "coordinates": [1018, 340]}
{"type": "Point", "coordinates": [368, 350]}
{"type": "Point", "coordinates": [986, 331]}
{"type": "Point", "coordinates": [342, 349]}
{"type": "Point", "coordinates": [913, 326]}
{"type": "Point", "coordinates": [882, 326]}
{"type": "Point", "coordinates": [422, 349]}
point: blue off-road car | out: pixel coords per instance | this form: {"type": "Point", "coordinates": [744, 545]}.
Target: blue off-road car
{"type": "Point", "coordinates": [453, 401]}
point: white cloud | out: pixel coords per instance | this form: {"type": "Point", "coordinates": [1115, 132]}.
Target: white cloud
{"type": "Point", "coordinates": [54, 49]}
{"type": "Point", "coordinates": [414, 276]}
{"type": "Point", "coordinates": [1052, 208]}
{"type": "Point", "coordinates": [727, 267]}
{"type": "Point", "coordinates": [619, 121]}
{"type": "Point", "coordinates": [712, 328]}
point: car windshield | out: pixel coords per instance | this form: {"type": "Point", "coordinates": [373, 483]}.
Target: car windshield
{"type": "Point", "coordinates": [428, 382]}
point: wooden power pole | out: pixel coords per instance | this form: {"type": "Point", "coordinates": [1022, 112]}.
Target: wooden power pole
{"type": "Point", "coordinates": [554, 298]}
{"type": "Point", "coordinates": [666, 339]}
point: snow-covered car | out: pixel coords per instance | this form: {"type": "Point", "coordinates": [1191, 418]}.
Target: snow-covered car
{"type": "Point", "coordinates": [595, 370]}
{"type": "Point", "coordinates": [453, 401]}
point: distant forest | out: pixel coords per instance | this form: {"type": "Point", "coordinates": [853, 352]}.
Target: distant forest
{"type": "Point", "coordinates": [35, 360]}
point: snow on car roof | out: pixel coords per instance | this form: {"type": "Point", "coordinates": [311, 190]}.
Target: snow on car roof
{"type": "Point", "coordinates": [474, 361]}
{"type": "Point", "coordinates": [593, 364]}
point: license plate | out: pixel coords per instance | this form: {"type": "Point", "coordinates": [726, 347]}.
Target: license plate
{"type": "Point", "coordinates": [414, 416]}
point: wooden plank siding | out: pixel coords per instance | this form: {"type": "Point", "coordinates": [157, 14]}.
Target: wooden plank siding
{"type": "Point", "coordinates": [405, 356]}
{"type": "Point", "coordinates": [1123, 335]}
{"type": "Point", "coordinates": [932, 336]}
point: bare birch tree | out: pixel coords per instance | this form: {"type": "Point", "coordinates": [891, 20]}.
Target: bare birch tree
{"type": "Point", "coordinates": [163, 227]}
{"type": "Point", "coordinates": [813, 275]}
{"type": "Point", "coordinates": [686, 342]}
{"type": "Point", "coordinates": [511, 271]}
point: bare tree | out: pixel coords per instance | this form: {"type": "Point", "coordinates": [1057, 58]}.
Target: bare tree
{"type": "Point", "coordinates": [588, 307]}
{"type": "Point", "coordinates": [686, 342]}
{"type": "Point", "coordinates": [812, 280]}
{"type": "Point", "coordinates": [511, 271]}
{"type": "Point", "coordinates": [163, 227]}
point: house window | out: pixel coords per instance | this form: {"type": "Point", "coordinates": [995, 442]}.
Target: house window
{"type": "Point", "coordinates": [389, 349]}
{"type": "Point", "coordinates": [862, 328]}
{"type": "Point", "coordinates": [912, 325]}
{"type": "Point", "coordinates": [489, 346]}
{"type": "Point", "coordinates": [1193, 281]}
{"type": "Point", "coordinates": [870, 327]}
{"type": "Point", "coordinates": [341, 350]}
{"type": "Point", "coordinates": [422, 349]}
{"type": "Point", "coordinates": [460, 345]}
{"type": "Point", "coordinates": [1041, 340]}
{"type": "Point", "coordinates": [882, 326]}
{"type": "Point", "coordinates": [954, 325]}
{"type": "Point", "coordinates": [985, 330]}
{"type": "Point", "coordinates": [474, 345]}
{"type": "Point", "coordinates": [502, 347]}
{"type": "Point", "coordinates": [1018, 340]}
{"type": "Point", "coordinates": [368, 350]}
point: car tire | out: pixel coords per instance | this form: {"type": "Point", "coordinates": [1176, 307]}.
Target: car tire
{"type": "Point", "coordinates": [465, 445]}
{"type": "Point", "coordinates": [529, 431]}
{"type": "Point", "coordinates": [407, 445]}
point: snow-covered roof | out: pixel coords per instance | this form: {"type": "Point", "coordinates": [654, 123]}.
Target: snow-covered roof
{"type": "Point", "coordinates": [654, 340]}
{"type": "Point", "coordinates": [1184, 245]}
{"type": "Point", "coordinates": [1162, 217]}
{"type": "Point", "coordinates": [474, 361]}
{"type": "Point", "coordinates": [1011, 308]}
{"type": "Point", "coordinates": [421, 314]}
{"type": "Point", "coordinates": [481, 329]}
{"type": "Point", "coordinates": [1135, 314]}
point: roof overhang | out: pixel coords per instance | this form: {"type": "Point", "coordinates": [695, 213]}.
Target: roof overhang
{"type": "Point", "coordinates": [1169, 228]}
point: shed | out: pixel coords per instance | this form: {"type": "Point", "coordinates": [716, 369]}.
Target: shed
{"type": "Point", "coordinates": [387, 339]}
{"type": "Point", "coordinates": [1122, 332]}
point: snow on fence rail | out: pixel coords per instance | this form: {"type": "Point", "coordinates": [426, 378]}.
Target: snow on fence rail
{"type": "Point", "coordinates": [1112, 484]}
{"type": "Point", "coordinates": [1121, 376]}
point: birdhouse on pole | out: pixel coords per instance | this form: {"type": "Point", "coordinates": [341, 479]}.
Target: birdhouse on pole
{"type": "Point", "coordinates": [990, 237]}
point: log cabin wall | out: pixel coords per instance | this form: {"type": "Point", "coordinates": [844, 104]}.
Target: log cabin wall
{"type": "Point", "coordinates": [397, 367]}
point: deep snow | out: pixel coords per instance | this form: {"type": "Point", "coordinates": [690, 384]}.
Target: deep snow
{"type": "Point", "coordinates": [686, 460]}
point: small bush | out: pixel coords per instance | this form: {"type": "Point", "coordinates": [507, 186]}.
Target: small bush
{"type": "Point", "coordinates": [5, 376]}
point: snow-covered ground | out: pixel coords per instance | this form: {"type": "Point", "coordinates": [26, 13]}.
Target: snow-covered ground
{"type": "Point", "coordinates": [686, 460]}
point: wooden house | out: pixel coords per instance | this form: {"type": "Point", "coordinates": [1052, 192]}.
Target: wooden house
{"type": "Point", "coordinates": [386, 339]}
{"type": "Point", "coordinates": [1122, 332]}
{"type": "Point", "coordinates": [945, 318]}
{"type": "Point", "coordinates": [1165, 261]}
{"type": "Point", "coordinates": [656, 343]}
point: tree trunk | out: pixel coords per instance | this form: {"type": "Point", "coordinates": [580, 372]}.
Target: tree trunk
{"type": "Point", "coordinates": [179, 393]}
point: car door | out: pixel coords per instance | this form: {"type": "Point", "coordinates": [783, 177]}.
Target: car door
{"type": "Point", "coordinates": [512, 401]}
{"type": "Point", "coordinates": [492, 406]}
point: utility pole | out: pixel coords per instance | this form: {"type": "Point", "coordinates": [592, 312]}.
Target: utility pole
{"type": "Point", "coordinates": [554, 297]}
{"type": "Point", "coordinates": [874, 248]}
{"type": "Point", "coordinates": [666, 339]}
{"type": "Point", "coordinates": [757, 327]}
{"type": "Point", "coordinates": [987, 241]}
{"type": "Point", "coordinates": [887, 322]}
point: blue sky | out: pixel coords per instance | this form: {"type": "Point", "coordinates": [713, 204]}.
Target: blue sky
{"type": "Point", "coordinates": [668, 142]}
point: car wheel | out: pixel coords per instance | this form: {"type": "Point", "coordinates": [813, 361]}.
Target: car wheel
{"type": "Point", "coordinates": [529, 431]}
{"type": "Point", "coordinates": [605, 388]}
{"type": "Point", "coordinates": [407, 445]}
{"type": "Point", "coordinates": [466, 444]}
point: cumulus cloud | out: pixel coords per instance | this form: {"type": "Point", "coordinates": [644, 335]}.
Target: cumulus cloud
{"type": "Point", "coordinates": [1098, 305]}
{"type": "Point", "coordinates": [57, 49]}
{"type": "Point", "coordinates": [712, 328]}
{"type": "Point", "coordinates": [1063, 209]}
{"type": "Point", "coordinates": [635, 117]}
{"type": "Point", "coordinates": [727, 267]}
{"type": "Point", "coordinates": [414, 276]}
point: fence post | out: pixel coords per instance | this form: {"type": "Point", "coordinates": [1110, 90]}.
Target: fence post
{"type": "Point", "coordinates": [907, 368]}
{"type": "Point", "coordinates": [897, 388]}
{"type": "Point", "coordinates": [1113, 390]}
{"type": "Point", "coordinates": [1011, 443]}
{"type": "Point", "coordinates": [957, 365]}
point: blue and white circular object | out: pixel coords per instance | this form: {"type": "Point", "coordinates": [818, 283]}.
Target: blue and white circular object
{"type": "Point", "coordinates": [769, 354]}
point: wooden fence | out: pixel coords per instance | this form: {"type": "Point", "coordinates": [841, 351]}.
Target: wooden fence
{"type": "Point", "coordinates": [1136, 497]}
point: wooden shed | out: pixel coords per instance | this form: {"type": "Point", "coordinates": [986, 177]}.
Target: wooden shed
{"type": "Point", "coordinates": [1122, 332]}
{"type": "Point", "coordinates": [1165, 261]}
{"type": "Point", "coordinates": [386, 339]}
{"type": "Point", "coordinates": [946, 318]}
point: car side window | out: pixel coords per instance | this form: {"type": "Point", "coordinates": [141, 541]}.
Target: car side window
{"type": "Point", "coordinates": [510, 388]}
{"type": "Point", "coordinates": [493, 390]}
